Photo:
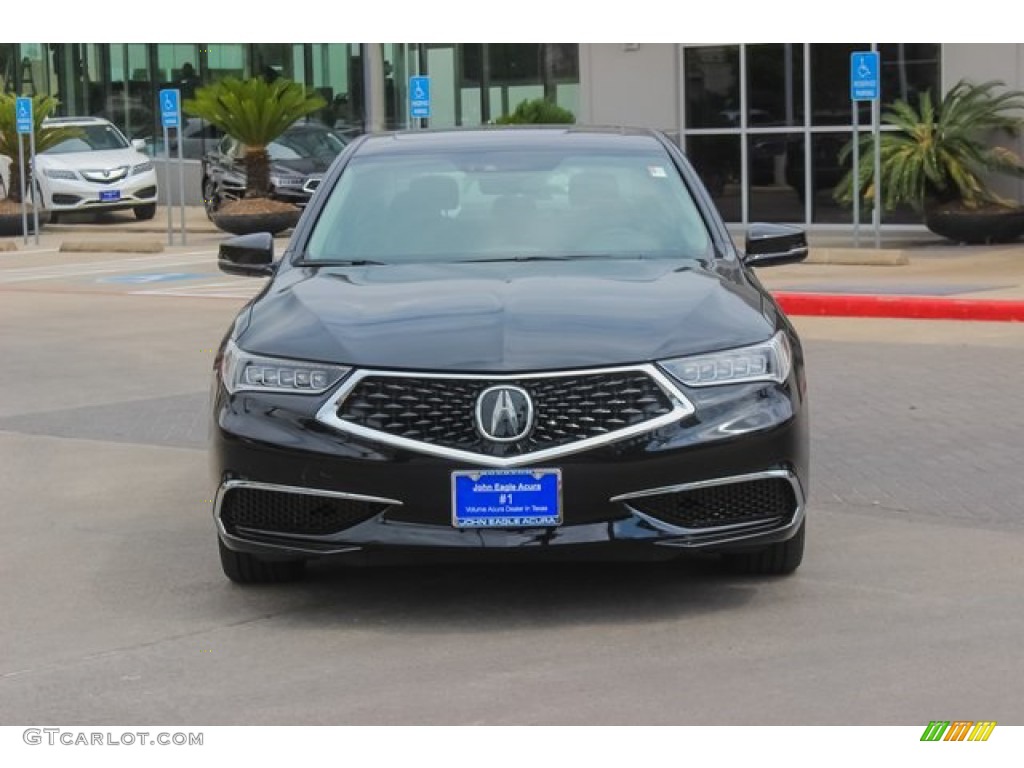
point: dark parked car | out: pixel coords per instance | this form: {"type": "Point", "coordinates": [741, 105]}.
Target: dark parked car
{"type": "Point", "coordinates": [298, 159]}
{"type": "Point", "coordinates": [515, 342]}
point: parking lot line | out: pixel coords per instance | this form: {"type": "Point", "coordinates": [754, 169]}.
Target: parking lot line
{"type": "Point", "coordinates": [243, 288]}
{"type": "Point", "coordinates": [84, 269]}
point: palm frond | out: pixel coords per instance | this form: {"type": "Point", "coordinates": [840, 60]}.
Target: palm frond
{"type": "Point", "coordinates": [255, 112]}
{"type": "Point", "coordinates": [46, 137]}
{"type": "Point", "coordinates": [942, 148]}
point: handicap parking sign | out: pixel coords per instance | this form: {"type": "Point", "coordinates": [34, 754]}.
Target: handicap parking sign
{"type": "Point", "coordinates": [170, 108]}
{"type": "Point", "coordinates": [23, 114]}
{"type": "Point", "coordinates": [419, 96]}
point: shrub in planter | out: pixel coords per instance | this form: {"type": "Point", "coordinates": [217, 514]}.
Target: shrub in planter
{"type": "Point", "coordinates": [45, 137]}
{"type": "Point", "coordinates": [255, 112]}
{"type": "Point", "coordinates": [538, 111]}
{"type": "Point", "coordinates": [939, 159]}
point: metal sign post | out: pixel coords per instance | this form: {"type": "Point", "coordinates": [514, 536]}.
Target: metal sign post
{"type": "Point", "coordinates": [181, 185]}
{"type": "Point", "coordinates": [170, 117]}
{"type": "Point", "coordinates": [856, 174]}
{"type": "Point", "coordinates": [24, 124]}
{"type": "Point", "coordinates": [419, 98]}
{"type": "Point", "coordinates": [36, 190]}
{"type": "Point", "coordinates": [865, 67]}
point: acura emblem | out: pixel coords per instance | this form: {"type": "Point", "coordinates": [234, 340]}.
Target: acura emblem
{"type": "Point", "coordinates": [504, 414]}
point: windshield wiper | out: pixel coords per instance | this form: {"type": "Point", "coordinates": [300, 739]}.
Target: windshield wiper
{"type": "Point", "coordinates": [516, 258]}
{"type": "Point", "coordinates": [340, 263]}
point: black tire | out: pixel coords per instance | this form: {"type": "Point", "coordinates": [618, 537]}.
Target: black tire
{"type": "Point", "coordinates": [775, 560]}
{"type": "Point", "coordinates": [145, 212]}
{"type": "Point", "coordinates": [243, 568]}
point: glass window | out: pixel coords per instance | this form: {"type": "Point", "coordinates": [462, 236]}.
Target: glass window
{"type": "Point", "coordinates": [501, 204]}
{"type": "Point", "coordinates": [776, 163]}
{"type": "Point", "coordinates": [131, 102]}
{"type": "Point", "coordinates": [717, 161]}
{"type": "Point", "coordinates": [91, 137]}
{"type": "Point", "coordinates": [909, 69]}
{"type": "Point", "coordinates": [441, 68]}
{"type": "Point", "coordinates": [826, 172]}
{"type": "Point", "coordinates": [830, 84]}
{"type": "Point", "coordinates": [775, 84]}
{"type": "Point", "coordinates": [308, 140]}
{"type": "Point", "coordinates": [225, 60]}
{"type": "Point", "coordinates": [712, 86]}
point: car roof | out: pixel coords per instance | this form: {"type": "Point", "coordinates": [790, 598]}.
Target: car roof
{"type": "Point", "coordinates": [522, 137]}
{"type": "Point", "coordinates": [76, 121]}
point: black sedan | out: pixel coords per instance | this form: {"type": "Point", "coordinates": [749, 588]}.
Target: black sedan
{"type": "Point", "coordinates": [509, 342]}
{"type": "Point", "coordinates": [299, 157]}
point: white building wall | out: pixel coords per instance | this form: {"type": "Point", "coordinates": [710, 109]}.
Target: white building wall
{"type": "Point", "coordinates": [980, 62]}
{"type": "Point", "coordinates": [631, 84]}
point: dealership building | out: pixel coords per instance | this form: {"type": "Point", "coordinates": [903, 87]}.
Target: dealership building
{"type": "Point", "coordinates": [763, 123]}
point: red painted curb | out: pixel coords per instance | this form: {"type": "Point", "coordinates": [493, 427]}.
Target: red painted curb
{"type": "Point", "coordinates": [915, 307]}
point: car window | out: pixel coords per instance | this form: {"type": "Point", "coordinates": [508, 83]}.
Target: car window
{"type": "Point", "coordinates": [502, 204]}
{"type": "Point", "coordinates": [90, 137]}
{"type": "Point", "coordinates": [306, 142]}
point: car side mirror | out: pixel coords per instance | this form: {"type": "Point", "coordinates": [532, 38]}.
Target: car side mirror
{"type": "Point", "coordinates": [247, 255]}
{"type": "Point", "coordinates": [769, 245]}
{"type": "Point", "coordinates": [139, 145]}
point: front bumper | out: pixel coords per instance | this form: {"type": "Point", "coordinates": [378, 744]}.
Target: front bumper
{"type": "Point", "coordinates": [397, 498]}
{"type": "Point", "coordinates": [80, 195]}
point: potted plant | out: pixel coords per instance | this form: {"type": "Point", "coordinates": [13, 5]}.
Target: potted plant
{"type": "Point", "coordinates": [46, 137]}
{"type": "Point", "coordinates": [254, 112]}
{"type": "Point", "coordinates": [537, 111]}
{"type": "Point", "coordinates": [939, 159]}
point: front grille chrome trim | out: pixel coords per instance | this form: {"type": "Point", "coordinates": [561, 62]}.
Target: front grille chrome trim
{"type": "Point", "coordinates": [681, 408]}
{"type": "Point", "coordinates": [698, 537]}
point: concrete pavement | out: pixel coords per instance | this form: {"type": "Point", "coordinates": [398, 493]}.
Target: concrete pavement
{"type": "Point", "coordinates": [913, 275]}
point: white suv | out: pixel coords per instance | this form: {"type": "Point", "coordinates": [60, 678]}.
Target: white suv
{"type": "Point", "coordinates": [97, 170]}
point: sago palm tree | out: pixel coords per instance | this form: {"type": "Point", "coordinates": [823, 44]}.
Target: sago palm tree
{"type": "Point", "coordinates": [942, 151]}
{"type": "Point", "coordinates": [46, 137]}
{"type": "Point", "coordinates": [255, 113]}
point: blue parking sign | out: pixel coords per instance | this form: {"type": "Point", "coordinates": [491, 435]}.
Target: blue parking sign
{"type": "Point", "coordinates": [864, 66]}
{"type": "Point", "coordinates": [23, 114]}
{"type": "Point", "coordinates": [419, 96]}
{"type": "Point", "coordinates": [170, 108]}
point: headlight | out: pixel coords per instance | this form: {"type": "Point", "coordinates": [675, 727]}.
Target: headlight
{"type": "Point", "coordinates": [142, 168]}
{"type": "Point", "coordinates": [57, 173]}
{"type": "Point", "coordinates": [242, 372]}
{"type": "Point", "coordinates": [287, 181]}
{"type": "Point", "coordinates": [769, 361]}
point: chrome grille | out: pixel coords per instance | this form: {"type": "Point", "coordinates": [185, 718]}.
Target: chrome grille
{"type": "Point", "coordinates": [727, 504]}
{"type": "Point", "coordinates": [107, 175]}
{"type": "Point", "coordinates": [568, 408]}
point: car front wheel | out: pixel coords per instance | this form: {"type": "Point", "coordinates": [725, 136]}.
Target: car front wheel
{"type": "Point", "coordinates": [243, 568]}
{"type": "Point", "coordinates": [211, 199]}
{"type": "Point", "coordinates": [145, 212]}
{"type": "Point", "coordinates": [775, 560]}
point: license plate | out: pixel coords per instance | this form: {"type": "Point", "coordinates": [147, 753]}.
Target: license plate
{"type": "Point", "coordinates": [109, 195]}
{"type": "Point", "coordinates": [514, 498]}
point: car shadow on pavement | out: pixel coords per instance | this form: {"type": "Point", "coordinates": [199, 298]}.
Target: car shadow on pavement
{"type": "Point", "coordinates": [464, 598]}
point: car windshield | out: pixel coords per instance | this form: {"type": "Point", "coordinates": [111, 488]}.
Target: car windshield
{"type": "Point", "coordinates": [90, 137]}
{"type": "Point", "coordinates": [306, 142]}
{"type": "Point", "coordinates": [509, 205]}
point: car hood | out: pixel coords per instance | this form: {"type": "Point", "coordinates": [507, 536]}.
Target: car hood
{"type": "Point", "coordinates": [97, 159]}
{"type": "Point", "coordinates": [302, 165]}
{"type": "Point", "coordinates": [509, 316]}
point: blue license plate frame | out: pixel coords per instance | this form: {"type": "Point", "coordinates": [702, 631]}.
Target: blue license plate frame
{"type": "Point", "coordinates": [110, 195]}
{"type": "Point", "coordinates": [507, 498]}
